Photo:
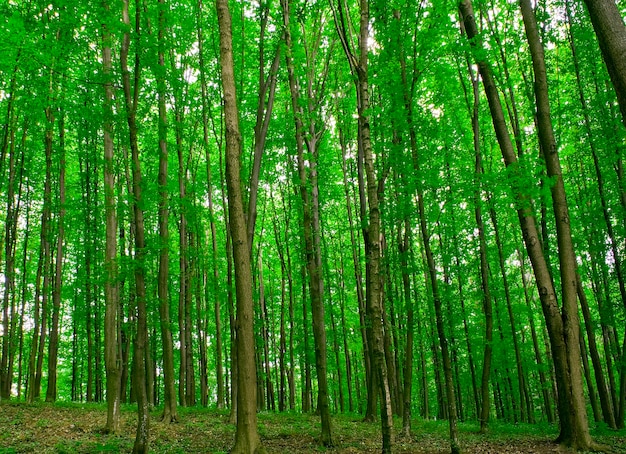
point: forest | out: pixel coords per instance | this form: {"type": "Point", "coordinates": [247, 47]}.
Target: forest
{"type": "Point", "coordinates": [403, 210]}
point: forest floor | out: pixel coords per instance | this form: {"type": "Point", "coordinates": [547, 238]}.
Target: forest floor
{"type": "Point", "coordinates": [78, 428]}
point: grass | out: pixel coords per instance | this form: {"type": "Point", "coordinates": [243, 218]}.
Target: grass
{"type": "Point", "coordinates": [78, 428]}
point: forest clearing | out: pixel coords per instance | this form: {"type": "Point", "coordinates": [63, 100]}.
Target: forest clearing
{"type": "Point", "coordinates": [79, 429]}
{"type": "Point", "coordinates": [257, 226]}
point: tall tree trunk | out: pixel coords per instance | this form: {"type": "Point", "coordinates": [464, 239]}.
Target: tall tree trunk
{"type": "Point", "coordinates": [605, 401]}
{"type": "Point", "coordinates": [44, 266]}
{"type": "Point", "coordinates": [311, 224]}
{"type": "Point", "coordinates": [574, 429]}
{"type": "Point", "coordinates": [170, 413]}
{"type": "Point", "coordinates": [573, 420]}
{"type": "Point", "coordinates": [131, 95]}
{"type": "Point", "coordinates": [23, 290]}
{"type": "Point", "coordinates": [53, 345]}
{"type": "Point", "coordinates": [111, 290]}
{"type": "Point", "coordinates": [403, 250]}
{"type": "Point", "coordinates": [608, 24]}
{"type": "Point", "coordinates": [267, 88]}
{"type": "Point", "coordinates": [374, 284]}
{"type": "Point", "coordinates": [484, 268]}
{"type": "Point", "coordinates": [8, 299]}
{"type": "Point", "coordinates": [358, 274]}
{"type": "Point", "coordinates": [247, 439]}
{"type": "Point", "coordinates": [219, 368]}
{"type": "Point", "coordinates": [183, 280]}
{"type": "Point", "coordinates": [543, 381]}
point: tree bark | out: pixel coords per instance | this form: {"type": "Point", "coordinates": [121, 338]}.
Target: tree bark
{"type": "Point", "coordinates": [374, 285]}
{"type": "Point", "coordinates": [131, 95]}
{"type": "Point", "coordinates": [311, 221]}
{"type": "Point", "coordinates": [574, 431]}
{"type": "Point", "coordinates": [219, 368]}
{"type": "Point", "coordinates": [247, 439]}
{"type": "Point", "coordinates": [608, 24]}
{"type": "Point", "coordinates": [403, 250]}
{"type": "Point", "coordinates": [111, 290]}
{"type": "Point", "coordinates": [170, 413]}
{"type": "Point", "coordinates": [10, 241]}
{"type": "Point", "coordinates": [53, 345]}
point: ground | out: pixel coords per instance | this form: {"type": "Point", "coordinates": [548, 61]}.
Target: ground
{"type": "Point", "coordinates": [76, 428]}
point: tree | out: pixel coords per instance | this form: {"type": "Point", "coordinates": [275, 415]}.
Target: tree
{"type": "Point", "coordinates": [610, 30]}
{"type": "Point", "coordinates": [310, 136]}
{"type": "Point", "coordinates": [574, 427]}
{"type": "Point", "coordinates": [574, 431]}
{"type": "Point", "coordinates": [374, 291]}
{"type": "Point", "coordinates": [111, 327]}
{"type": "Point", "coordinates": [170, 413]}
{"type": "Point", "coordinates": [131, 97]}
{"type": "Point", "coordinates": [246, 438]}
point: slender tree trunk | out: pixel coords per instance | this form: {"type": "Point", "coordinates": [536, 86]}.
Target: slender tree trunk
{"type": "Point", "coordinates": [111, 290]}
{"type": "Point", "coordinates": [53, 345]}
{"type": "Point", "coordinates": [86, 197]}
{"type": "Point", "coordinates": [358, 275]}
{"type": "Point", "coordinates": [219, 368]}
{"type": "Point", "coordinates": [374, 287]}
{"type": "Point", "coordinates": [403, 250]}
{"type": "Point", "coordinates": [131, 94]}
{"type": "Point", "coordinates": [574, 429]}
{"type": "Point", "coordinates": [344, 331]}
{"type": "Point", "coordinates": [605, 401]}
{"type": "Point", "coordinates": [484, 273]}
{"type": "Point", "coordinates": [10, 241]}
{"type": "Point", "coordinates": [23, 290]}
{"type": "Point", "coordinates": [267, 89]}
{"type": "Point", "coordinates": [282, 348]}
{"type": "Point", "coordinates": [566, 352]}
{"type": "Point", "coordinates": [543, 382]}
{"type": "Point", "coordinates": [45, 270]}
{"type": "Point", "coordinates": [311, 226]}
{"type": "Point", "coordinates": [170, 413]}
{"type": "Point", "coordinates": [247, 439]}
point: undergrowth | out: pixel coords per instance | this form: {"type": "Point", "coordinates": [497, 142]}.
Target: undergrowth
{"type": "Point", "coordinates": [79, 428]}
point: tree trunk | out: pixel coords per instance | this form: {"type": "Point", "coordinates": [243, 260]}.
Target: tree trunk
{"type": "Point", "coordinates": [403, 250]}
{"type": "Point", "coordinates": [574, 430]}
{"type": "Point", "coordinates": [267, 88]}
{"type": "Point", "coordinates": [247, 439]}
{"type": "Point", "coordinates": [374, 284]}
{"type": "Point", "coordinates": [53, 345]}
{"type": "Point", "coordinates": [219, 368]}
{"type": "Point", "coordinates": [10, 242]}
{"type": "Point", "coordinates": [311, 224]}
{"type": "Point", "coordinates": [111, 290]}
{"type": "Point", "coordinates": [605, 401]}
{"type": "Point", "coordinates": [608, 24]}
{"type": "Point", "coordinates": [484, 269]}
{"type": "Point", "coordinates": [543, 381]}
{"type": "Point", "coordinates": [131, 94]}
{"type": "Point", "coordinates": [358, 274]}
{"type": "Point", "coordinates": [170, 413]}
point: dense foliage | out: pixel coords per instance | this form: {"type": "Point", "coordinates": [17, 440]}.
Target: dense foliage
{"type": "Point", "coordinates": [453, 272]}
